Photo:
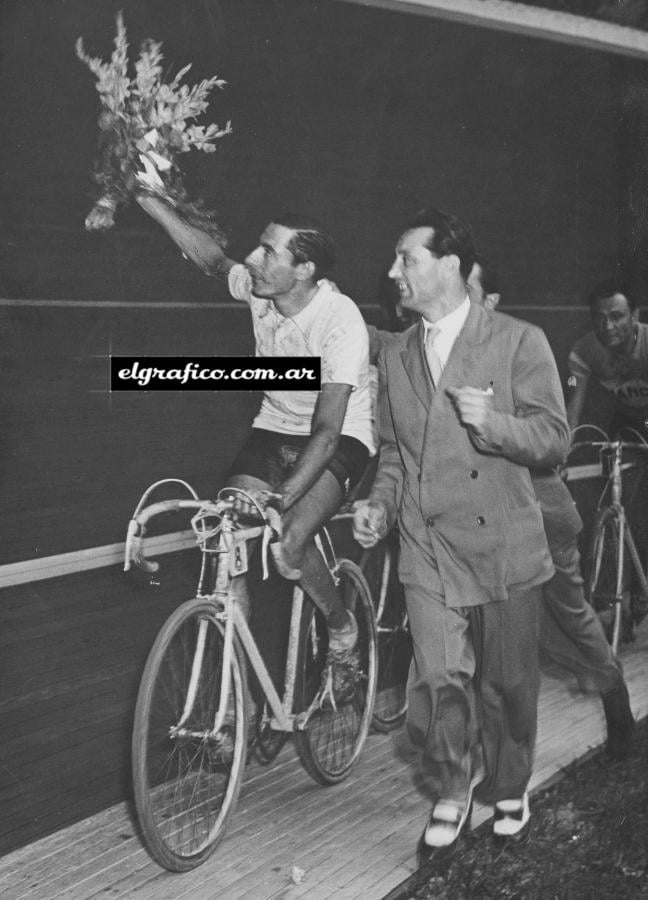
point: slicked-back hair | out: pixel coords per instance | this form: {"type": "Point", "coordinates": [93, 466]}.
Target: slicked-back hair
{"type": "Point", "coordinates": [450, 236]}
{"type": "Point", "coordinates": [310, 242]}
{"type": "Point", "coordinates": [608, 288]}
{"type": "Point", "coordinates": [488, 277]}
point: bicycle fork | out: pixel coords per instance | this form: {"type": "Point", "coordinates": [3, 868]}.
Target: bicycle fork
{"type": "Point", "coordinates": [221, 589]}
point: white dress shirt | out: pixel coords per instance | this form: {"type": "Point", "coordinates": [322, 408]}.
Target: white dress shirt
{"type": "Point", "coordinates": [448, 328]}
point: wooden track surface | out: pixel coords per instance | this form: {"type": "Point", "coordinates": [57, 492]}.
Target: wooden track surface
{"type": "Point", "coordinates": [355, 840]}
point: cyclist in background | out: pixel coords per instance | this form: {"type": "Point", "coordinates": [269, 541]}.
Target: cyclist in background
{"type": "Point", "coordinates": [608, 386]}
{"type": "Point", "coordinates": [311, 447]}
{"type": "Point", "coordinates": [614, 357]}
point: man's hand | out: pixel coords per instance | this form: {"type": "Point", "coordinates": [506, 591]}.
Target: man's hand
{"type": "Point", "coordinates": [369, 523]}
{"type": "Point", "coordinates": [473, 407]}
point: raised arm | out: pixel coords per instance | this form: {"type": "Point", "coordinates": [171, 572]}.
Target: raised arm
{"type": "Point", "coordinates": [198, 246]}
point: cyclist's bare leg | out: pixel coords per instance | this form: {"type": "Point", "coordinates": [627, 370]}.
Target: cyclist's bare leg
{"type": "Point", "coordinates": [239, 584]}
{"type": "Point", "coordinates": [300, 524]}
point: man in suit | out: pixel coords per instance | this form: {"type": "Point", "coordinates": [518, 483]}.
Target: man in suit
{"type": "Point", "coordinates": [468, 400]}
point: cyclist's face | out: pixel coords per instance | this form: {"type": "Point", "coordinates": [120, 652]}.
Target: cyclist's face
{"type": "Point", "coordinates": [614, 323]}
{"type": "Point", "coordinates": [272, 265]}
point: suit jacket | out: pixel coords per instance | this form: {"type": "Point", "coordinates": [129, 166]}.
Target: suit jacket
{"type": "Point", "coordinates": [468, 517]}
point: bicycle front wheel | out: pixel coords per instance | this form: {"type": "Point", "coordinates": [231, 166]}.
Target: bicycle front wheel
{"type": "Point", "coordinates": [394, 640]}
{"type": "Point", "coordinates": [336, 729]}
{"type": "Point", "coordinates": [602, 587]}
{"type": "Point", "coordinates": [186, 777]}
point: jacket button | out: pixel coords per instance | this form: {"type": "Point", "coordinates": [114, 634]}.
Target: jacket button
{"type": "Point", "coordinates": [429, 521]}
{"type": "Point", "coordinates": [419, 476]}
{"type": "Point", "coordinates": [480, 520]}
{"type": "Point", "coordinates": [474, 473]}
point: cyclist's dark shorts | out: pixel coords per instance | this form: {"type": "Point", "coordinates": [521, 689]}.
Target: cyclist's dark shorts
{"type": "Point", "coordinates": [270, 456]}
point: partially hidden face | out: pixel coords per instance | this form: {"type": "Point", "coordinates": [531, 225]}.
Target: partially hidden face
{"type": "Point", "coordinates": [476, 291]}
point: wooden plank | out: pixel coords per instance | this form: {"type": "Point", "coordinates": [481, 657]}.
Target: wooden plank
{"type": "Point", "coordinates": [46, 567]}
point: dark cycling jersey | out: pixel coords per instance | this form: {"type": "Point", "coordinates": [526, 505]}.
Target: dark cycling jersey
{"type": "Point", "coordinates": [625, 377]}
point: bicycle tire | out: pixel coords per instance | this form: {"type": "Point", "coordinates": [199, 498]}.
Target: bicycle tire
{"type": "Point", "coordinates": [187, 786]}
{"type": "Point", "coordinates": [602, 582]}
{"type": "Point", "coordinates": [394, 639]}
{"type": "Point", "coordinates": [334, 736]}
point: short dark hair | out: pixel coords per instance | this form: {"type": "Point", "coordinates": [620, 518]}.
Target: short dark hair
{"type": "Point", "coordinates": [608, 288]}
{"type": "Point", "coordinates": [311, 242]}
{"type": "Point", "coordinates": [450, 236]}
{"type": "Point", "coordinates": [488, 279]}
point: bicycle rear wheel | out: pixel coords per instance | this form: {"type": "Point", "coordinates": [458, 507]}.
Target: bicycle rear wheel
{"type": "Point", "coordinates": [186, 778]}
{"type": "Point", "coordinates": [336, 731]}
{"type": "Point", "coordinates": [394, 640]}
{"type": "Point", "coordinates": [602, 587]}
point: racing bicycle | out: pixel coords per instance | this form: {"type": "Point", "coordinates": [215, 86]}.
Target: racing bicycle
{"type": "Point", "coordinates": [617, 586]}
{"type": "Point", "coordinates": [190, 732]}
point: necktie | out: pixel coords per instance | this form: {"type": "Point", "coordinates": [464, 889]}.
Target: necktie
{"type": "Point", "coordinates": [433, 360]}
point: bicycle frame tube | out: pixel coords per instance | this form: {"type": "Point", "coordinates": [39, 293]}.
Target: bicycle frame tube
{"type": "Point", "coordinates": [235, 622]}
{"type": "Point", "coordinates": [384, 582]}
{"type": "Point", "coordinates": [616, 476]}
{"type": "Point", "coordinates": [634, 555]}
{"type": "Point", "coordinates": [283, 710]}
{"type": "Point", "coordinates": [293, 649]}
{"type": "Point", "coordinates": [249, 645]}
{"type": "Point", "coordinates": [618, 599]}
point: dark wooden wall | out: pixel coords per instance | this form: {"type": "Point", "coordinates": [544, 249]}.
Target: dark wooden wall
{"type": "Point", "coordinates": [355, 115]}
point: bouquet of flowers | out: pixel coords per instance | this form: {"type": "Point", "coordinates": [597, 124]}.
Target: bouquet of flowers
{"type": "Point", "coordinates": [145, 124]}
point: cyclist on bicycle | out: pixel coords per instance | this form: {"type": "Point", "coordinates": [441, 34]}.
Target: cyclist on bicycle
{"type": "Point", "coordinates": [310, 447]}
{"type": "Point", "coordinates": [608, 384]}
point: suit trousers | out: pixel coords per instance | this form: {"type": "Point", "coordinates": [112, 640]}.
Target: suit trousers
{"type": "Point", "coordinates": [571, 633]}
{"type": "Point", "coordinates": [473, 692]}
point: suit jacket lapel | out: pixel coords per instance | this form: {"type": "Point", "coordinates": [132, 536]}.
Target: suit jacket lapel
{"type": "Point", "coordinates": [476, 330]}
{"type": "Point", "coordinates": [415, 365]}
